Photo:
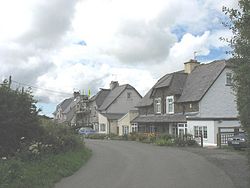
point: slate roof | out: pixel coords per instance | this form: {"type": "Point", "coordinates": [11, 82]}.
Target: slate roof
{"type": "Point", "coordinates": [113, 95]}
{"type": "Point", "coordinates": [166, 118]}
{"type": "Point", "coordinates": [174, 81]}
{"type": "Point", "coordinates": [64, 104]}
{"type": "Point", "coordinates": [146, 100]}
{"type": "Point", "coordinates": [200, 80]}
{"type": "Point", "coordinates": [100, 97]}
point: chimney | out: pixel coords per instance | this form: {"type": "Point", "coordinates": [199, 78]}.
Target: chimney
{"type": "Point", "coordinates": [76, 94]}
{"type": "Point", "coordinates": [190, 65]}
{"type": "Point", "coordinates": [113, 84]}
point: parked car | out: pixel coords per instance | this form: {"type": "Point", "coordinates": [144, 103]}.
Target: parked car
{"type": "Point", "coordinates": [238, 141]}
{"type": "Point", "coordinates": [86, 131]}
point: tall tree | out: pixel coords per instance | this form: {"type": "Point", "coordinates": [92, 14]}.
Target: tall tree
{"type": "Point", "coordinates": [239, 24]}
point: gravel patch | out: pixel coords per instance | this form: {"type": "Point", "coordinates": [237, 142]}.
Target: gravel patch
{"type": "Point", "coordinates": [234, 163]}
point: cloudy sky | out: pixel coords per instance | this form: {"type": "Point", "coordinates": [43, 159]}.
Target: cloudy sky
{"type": "Point", "coordinates": [60, 46]}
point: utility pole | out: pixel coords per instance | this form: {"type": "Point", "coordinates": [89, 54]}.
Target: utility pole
{"type": "Point", "coordinates": [9, 83]}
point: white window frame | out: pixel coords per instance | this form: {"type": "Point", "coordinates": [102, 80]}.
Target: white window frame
{"type": "Point", "coordinates": [168, 98]}
{"type": "Point", "coordinates": [125, 130]}
{"type": "Point", "coordinates": [201, 129]}
{"type": "Point", "coordinates": [158, 105]}
{"type": "Point", "coordinates": [134, 127]}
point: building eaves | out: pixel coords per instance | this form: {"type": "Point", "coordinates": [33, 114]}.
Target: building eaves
{"type": "Point", "coordinates": [166, 118]}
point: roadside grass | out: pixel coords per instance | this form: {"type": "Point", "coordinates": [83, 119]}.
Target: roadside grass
{"type": "Point", "coordinates": [41, 173]}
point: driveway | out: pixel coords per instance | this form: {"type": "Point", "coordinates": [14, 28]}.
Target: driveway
{"type": "Point", "coordinates": [121, 164]}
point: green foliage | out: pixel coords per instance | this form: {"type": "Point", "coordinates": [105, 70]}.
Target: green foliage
{"type": "Point", "coordinates": [43, 173]}
{"type": "Point", "coordinates": [164, 142]}
{"type": "Point", "coordinates": [18, 119]}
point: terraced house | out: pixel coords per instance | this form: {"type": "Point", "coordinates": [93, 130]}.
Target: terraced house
{"type": "Point", "coordinates": [109, 105]}
{"type": "Point", "coordinates": [197, 100]}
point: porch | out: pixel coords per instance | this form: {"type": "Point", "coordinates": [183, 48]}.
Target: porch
{"type": "Point", "coordinates": [162, 124]}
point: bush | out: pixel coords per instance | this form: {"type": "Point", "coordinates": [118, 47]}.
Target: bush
{"type": "Point", "coordinates": [18, 119]}
{"type": "Point", "coordinates": [164, 142]}
{"type": "Point", "coordinates": [133, 136]}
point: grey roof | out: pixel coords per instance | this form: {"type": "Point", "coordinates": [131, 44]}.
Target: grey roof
{"type": "Point", "coordinates": [114, 94]}
{"type": "Point", "coordinates": [164, 81]}
{"type": "Point", "coordinates": [174, 81]}
{"type": "Point", "coordinates": [64, 104]}
{"type": "Point", "coordinates": [100, 97]}
{"type": "Point", "coordinates": [112, 116]}
{"type": "Point", "coordinates": [146, 100]}
{"type": "Point", "coordinates": [166, 118]}
{"type": "Point", "coordinates": [200, 80]}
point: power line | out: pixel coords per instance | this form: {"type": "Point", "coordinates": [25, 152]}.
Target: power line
{"type": "Point", "coordinates": [39, 88]}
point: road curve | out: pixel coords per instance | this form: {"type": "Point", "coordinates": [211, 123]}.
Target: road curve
{"type": "Point", "coordinates": [121, 164]}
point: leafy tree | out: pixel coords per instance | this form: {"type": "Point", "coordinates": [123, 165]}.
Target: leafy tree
{"type": "Point", "coordinates": [239, 24]}
{"type": "Point", "coordinates": [18, 119]}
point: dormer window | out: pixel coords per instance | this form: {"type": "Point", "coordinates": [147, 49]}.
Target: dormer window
{"type": "Point", "coordinates": [228, 78]}
{"type": "Point", "coordinates": [157, 103]}
{"type": "Point", "coordinates": [170, 104]}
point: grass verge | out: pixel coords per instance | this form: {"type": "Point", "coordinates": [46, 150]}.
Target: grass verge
{"type": "Point", "coordinates": [42, 173]}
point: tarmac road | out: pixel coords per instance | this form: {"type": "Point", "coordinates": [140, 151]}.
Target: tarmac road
{"type": "Point", "coordinates": [121, 164]}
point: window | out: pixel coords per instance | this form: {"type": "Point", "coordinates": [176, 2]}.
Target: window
{"type": "Point", "coordinates": [158, 105]}
{"type": "Point", "coordinates": [174, 130]}
{"type": "Point", "coordinates": [152, 129]}
{"type": "Point", "coordinates": [125, 130]}
{"type": "Point", "coordinates": [198, 130]}
{"type": "Point", "coordinates": [128, 95]}
{"type": "Point", "coordinates": [229, 78]}
{"type": "Point", "coordinates": [170, 104]}
{"type": "Point", "coordinates": [102, 127]}
{"type": "Point", "coordinates": [134, 127]}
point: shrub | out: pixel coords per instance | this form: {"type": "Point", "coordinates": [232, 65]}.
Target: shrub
{"type": "Point", "coordinates": [164, 142]}
{"type": "Point", "coordinates": [165, 136]}
{"type": "Point", "coordinates": [18, 119]}
{"type": "Point", "coordinates": [133, 136]}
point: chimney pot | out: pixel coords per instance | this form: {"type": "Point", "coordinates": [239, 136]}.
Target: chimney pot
{"type": "Point", "coordinates": [113, 84]}
{"type": "Point", "coordinates": [190, 65]}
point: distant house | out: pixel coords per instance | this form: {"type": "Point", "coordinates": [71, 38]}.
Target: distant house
{"type": "Point", "coordinates": [65, 111]}
{"type": "Point", "coordinates": [124, 123]}
{"type": "Point", "coordinates": [197, 100]}
{"type": "Point", "coordinates": [94, 104]}
{"type": "Point", "coordinates": [73, 111]}
{"type": "Point", "coordinates": [118, 102]}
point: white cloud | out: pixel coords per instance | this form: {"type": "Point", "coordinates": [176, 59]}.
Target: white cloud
{"type": "Point", "coordinates": [131, 39]}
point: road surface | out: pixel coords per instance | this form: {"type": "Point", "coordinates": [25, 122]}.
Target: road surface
{"type": "Point", "coordinates": [121, 164]}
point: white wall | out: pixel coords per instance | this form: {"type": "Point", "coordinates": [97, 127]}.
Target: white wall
{"type": "Point", "coordinates": [212, 128]}
{"type": "Point", "coordinates": [104, 120]}
{"type": "Point", "coordinates": [219, 101]}
{"type": "Point", "coordinates": [125, 121]}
